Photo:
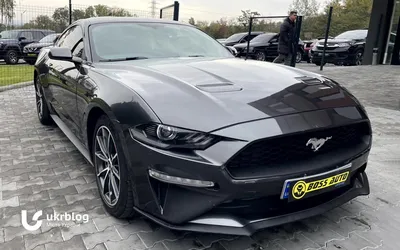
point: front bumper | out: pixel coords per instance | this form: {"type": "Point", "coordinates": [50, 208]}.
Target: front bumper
{"type": "Point", "coordinates": [230, 224]}
{"type": "Point", "coordinates": [335, 57]}
{"type": "Point", "coordinates": [30, 55]}
{"type": "Point", "coordinates": [239, 203]}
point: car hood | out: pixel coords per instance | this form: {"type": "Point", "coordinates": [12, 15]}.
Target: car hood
{"type": "Point", "coordinates": [244, 45]}
{"type": "Point", "coordinates": [334, 41]}
{"type": "Point", "coordinates": [38, 45]}
{"type": "Point", "coordinates": [207, 94]}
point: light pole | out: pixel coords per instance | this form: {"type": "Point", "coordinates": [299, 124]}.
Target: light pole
{"type": "Point", "coordinates": [70, 12]}
{"type": "Point", "coordinates": [22, 22]}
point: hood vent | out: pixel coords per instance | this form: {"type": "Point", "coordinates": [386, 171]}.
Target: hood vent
{"type": "Point", "coordinates": [310, 80]}
{"type": "Point", "coordinates": [218, 87]}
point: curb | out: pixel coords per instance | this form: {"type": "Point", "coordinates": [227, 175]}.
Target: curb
{"type": "Point", "coordinates": [16, 86]}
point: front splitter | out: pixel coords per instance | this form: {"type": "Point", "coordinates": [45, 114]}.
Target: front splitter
{"type": "Point", "coordinates": [237, 226]}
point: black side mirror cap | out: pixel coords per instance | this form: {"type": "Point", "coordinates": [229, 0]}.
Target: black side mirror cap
{"type": "Point", "coordinates": [63, 54]}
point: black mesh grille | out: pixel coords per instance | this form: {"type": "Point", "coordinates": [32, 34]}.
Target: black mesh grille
{"type": "Point", "coordinates": [292, 148]}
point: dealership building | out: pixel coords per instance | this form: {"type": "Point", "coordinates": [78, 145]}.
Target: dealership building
{"type": "Point", "coordinates": [383, 45]}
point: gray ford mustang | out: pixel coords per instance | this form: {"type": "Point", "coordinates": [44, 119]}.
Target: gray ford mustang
{"type": "Point", "coordinates": [182, 132]}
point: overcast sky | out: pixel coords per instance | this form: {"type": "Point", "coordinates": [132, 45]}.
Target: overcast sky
{"type": "Point", "coordinates": [198, 9]}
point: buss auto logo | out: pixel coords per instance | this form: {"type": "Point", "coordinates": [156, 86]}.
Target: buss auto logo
{"type": "Point", "coordinates": [317, 143]}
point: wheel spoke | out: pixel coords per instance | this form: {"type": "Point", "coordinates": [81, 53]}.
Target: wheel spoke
{"type": "Point", "coordinates": [104, 133]}
{"type": "Point", "coordinates": [115, 186]}
{"type": "Point", "coordinates": [114, 157]}
{"type": "Point", "coordinates": [109, 185]}
{"type": "Point", "coordinates": [101, 145]}
{"type": "Point", "coordinates": [101, 156]}
{"type": "Point", "coordinates": [105, 170]}
{"type": "Point", "coordinates": [115, 172]}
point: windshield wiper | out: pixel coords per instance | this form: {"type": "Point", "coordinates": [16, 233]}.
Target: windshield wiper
{"type": "Point", "coordinates": [124, 59]}
{"type": "Point", "coordinates": [196, 56]}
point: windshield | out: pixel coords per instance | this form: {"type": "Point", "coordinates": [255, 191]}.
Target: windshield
{"type": "Point", "coordinates": [9, 34]}
{"type": "Point", "coordinates": [112, 41]}
{"type": "Point", "coordinates": [234, 38]}
{"type": "Point", "coordinates": [263, 38]}
{"type": "Point", "coordinates": [353, 34]}
{"type": "Point", "coordinates": [48, 39]}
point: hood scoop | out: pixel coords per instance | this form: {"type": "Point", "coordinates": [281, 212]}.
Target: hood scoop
{"type": "Point", "coordinates": [310, 80]}
{"type": "Point", "coordinates": [218, 87]}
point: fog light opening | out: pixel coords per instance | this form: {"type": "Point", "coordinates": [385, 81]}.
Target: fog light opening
{"type": "Point", "coordinates": [179, 180]}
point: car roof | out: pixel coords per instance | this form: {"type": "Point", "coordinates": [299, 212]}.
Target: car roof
{"type": "Point", "coordinates": [111, 19]}
{"type": "Point", "coordinates": [31, 30]}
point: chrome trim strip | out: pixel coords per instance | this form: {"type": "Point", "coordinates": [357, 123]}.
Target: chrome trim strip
{"type": "Point", "coordinates": [347, 166]}
{"type": "Point", "coordinates": [215, 221]}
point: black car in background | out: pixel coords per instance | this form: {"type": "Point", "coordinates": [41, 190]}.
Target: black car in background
{"type": "Point", "coordinates": [12, 42]}
{"type": "Point", "coordinates": [240, 38]}
{"type": "Point", "coordinates": [31, 51]}
{"type": "Point", "coordinates": [264, 47]}
{"type": "Point", "coordinates": [345, 49]}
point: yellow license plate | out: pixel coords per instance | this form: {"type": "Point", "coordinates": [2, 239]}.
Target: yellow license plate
{"type": "Point", "coordinates": [31, 54]}
{"type": "Point", "coordinates": [302, 188]}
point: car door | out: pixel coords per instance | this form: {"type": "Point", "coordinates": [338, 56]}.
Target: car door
{"type": "Point", "coordinates": [63, 77]}
{"type": "Point", "coordinates": [272, 48]}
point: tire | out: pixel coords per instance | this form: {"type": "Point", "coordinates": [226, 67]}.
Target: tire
{"type": "Point", "coordinates": [30, 62]}
{"type": "Point", "coordinates": [11, 57]}
{"type": "Point", "coordinates": [119, 202]}
{"type": "Point", "coordinates": [261, 56]}
{"type": "Point", "coordinates": [299, 57]}
{"type": "Point", "coordinates": [359, 55]}
{"type": "Point", "coordinates": [42, 109]}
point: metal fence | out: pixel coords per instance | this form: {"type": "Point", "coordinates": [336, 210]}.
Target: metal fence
{"type": "Point", "coordinates": [17, 70]}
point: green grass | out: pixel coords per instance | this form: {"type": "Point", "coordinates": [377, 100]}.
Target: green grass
{"type": "Point", "coordinates": [12, 74]}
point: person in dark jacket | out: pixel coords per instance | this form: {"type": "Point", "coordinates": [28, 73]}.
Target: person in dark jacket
{"type": "Point", "coordinates": [286, 39]}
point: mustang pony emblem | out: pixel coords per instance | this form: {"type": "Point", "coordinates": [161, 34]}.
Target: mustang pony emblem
{"type": "Point", "coordinates": [317, 143]}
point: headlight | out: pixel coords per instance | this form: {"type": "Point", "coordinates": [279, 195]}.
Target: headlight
{"type": "Point", "coordinates": [167, 137]}
{"type": "Point", "coordinates": [343, 45]}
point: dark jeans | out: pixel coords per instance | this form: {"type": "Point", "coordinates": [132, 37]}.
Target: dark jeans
{"type": "Point", "coordinates": [287, 59]}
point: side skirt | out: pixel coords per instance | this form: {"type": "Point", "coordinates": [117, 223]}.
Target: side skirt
{"type": "Point", "coordinates": [64, 128]}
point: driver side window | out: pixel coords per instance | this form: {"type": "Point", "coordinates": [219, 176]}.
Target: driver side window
{"type": "Point", "coordinates": [274, 39]}
{"type": "Point", "coordinates": [72, 39]}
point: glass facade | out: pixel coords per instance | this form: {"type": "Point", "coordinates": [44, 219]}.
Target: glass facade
{"type": "Point", "coordinates": [392, 35]}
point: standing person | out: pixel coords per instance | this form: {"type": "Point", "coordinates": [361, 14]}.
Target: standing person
{"type": "Point", "coordinates": [286, 39]}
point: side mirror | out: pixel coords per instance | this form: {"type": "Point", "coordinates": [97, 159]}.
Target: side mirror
{"type": "Point", "coordinates": [63, 54]}
{"type": "Point", "coordinates": [22, 38]}
{"type": "Point", "coordinates": [232, 50]}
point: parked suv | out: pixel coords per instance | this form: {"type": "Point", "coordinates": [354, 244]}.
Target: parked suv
{"type": "Point", "coordinates": [31, 51]}
{"type": "Point", "coordinates": [345, 49]}
{"type": "Point", "coordinates": [12, 42]}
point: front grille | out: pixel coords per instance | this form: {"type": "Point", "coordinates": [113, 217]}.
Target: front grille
{"type": "Point", "coordinates": [327, 48]}
{"type": "Point", "coordinates": [291, 149]}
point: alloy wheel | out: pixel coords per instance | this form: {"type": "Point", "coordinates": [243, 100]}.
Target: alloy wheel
{"type": "Point", "coordinates": [298, 57]}
{"type": "Point", "coordinates": [260, 56]}
{"type": "Point", "coordinates": [107, 166]}
{"type": "Point", "coordinates": [359, 58]}
{"type": "Point", "coordinates": [39, 102]}
{"type": "Point", "coordinates": [13, 57]}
